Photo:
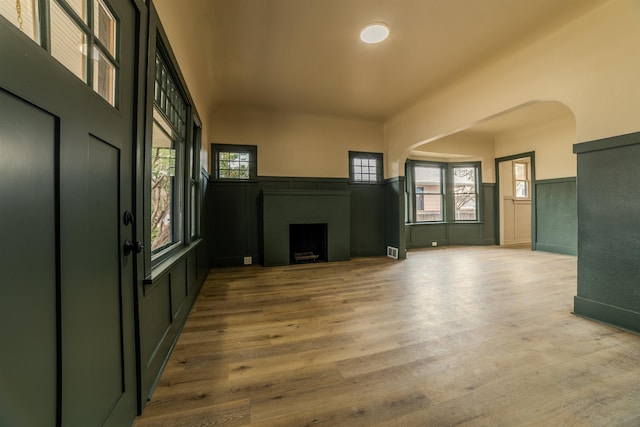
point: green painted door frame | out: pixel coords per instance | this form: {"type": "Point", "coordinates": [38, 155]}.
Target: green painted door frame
{"type": "Point", "coordinates": [498, 200]}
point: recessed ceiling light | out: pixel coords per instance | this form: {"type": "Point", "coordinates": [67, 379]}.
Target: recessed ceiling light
{"type": "Point", "coordinates": [374, 33]}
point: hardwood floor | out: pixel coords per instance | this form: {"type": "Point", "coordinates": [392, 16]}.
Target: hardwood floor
{"type": "Point", "coordinates": [452, 336]}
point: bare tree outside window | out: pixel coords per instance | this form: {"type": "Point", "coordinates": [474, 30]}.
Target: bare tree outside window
{"type": "Point", "coordinates": [162, 188]}
{"type": "Point", "coordinates": [465, 189]}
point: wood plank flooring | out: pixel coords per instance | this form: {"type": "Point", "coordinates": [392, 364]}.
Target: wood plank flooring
{"type": "Point", "coordinates": [451, 336]}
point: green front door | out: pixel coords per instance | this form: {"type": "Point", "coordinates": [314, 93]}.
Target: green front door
{"type": "Point", "coordinates": [66, 282]}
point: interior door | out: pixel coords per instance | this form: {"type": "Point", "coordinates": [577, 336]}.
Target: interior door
{"type": "Point", "coordinates": [67, 284]}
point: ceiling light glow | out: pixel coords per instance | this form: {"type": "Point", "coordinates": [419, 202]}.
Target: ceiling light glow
{"type": "Point", "coordinates": [374, 33]}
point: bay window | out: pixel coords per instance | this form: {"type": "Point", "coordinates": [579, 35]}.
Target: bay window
{"type": "Point", "coordinates": [442, 192]}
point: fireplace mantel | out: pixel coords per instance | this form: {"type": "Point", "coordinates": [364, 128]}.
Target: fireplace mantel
{"type": "Point", "coordinates": [280, 208]}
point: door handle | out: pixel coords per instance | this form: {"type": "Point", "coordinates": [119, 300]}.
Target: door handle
{"type": "Point", "coordinates": [135, 247]}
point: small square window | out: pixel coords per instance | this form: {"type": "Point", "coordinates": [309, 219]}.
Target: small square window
{"type": "Point", "coordinates": [365, 168]}
{"type": "Point", "coordinates": [234, 162]}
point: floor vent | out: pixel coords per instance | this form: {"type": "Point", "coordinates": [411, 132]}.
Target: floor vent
{"type": "Point", "coordinates": [392, 252]}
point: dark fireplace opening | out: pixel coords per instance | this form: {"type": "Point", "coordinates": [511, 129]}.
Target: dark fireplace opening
{"type": "Point", "coordinates": [307, 243]}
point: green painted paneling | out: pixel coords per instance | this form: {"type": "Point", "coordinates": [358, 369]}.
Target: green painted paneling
{"type": "Point", "coordinates": [178, 287]}
{"type": "Point", "coordinates": [466, 234]}
{"type": "Point", "coordinates": [608, 231]}
{"type": "Point", "coordinates": [155, 321]}
{"type": "Point", "coordinates": [28, 358]}
{"type": "Point", "coordinates": [283, 207]}
{"type": "Point", "coordinates": [557, 216]}
{"type": "Point", "coordinates": [235, 216]}
{"type": "Point", "coordinates": [394, 215]}
{"type": "Point", "coordinates": [367, 220]}
{"type": "Point", "coordinates": [92, 335]}
{"type": "Point", "coordinates": [422, 235]}
{"type": "Point", "coordinates": [489, 213]}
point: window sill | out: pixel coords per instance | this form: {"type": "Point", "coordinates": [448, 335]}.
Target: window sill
{"type": "Point", "coordinates": [443, 223]}
{"type": "Point", "coordinates": [164, 267]}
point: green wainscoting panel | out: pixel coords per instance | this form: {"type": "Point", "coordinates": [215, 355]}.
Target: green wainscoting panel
{"type": "Point", "coordinates": [609, 231]}
{"type": "Point", "coordinates": [236, 217]}
{"type": "Point", "coordinates": [466, 234]}
{"type": "Point", "coordinates": [394, 215]}
{"type": "Point", "coordinates": [234, 222]}
{"type": "Point", "coordinates": [556, 213]}
{"type": "Point", "coordinates": [179, 289]}
{"type": "Point", "coordinates": [488, 203]}
{"type": "Point", "coordinates": [423, 235]}
{"type": "Point", "coordinates": [367, 220]}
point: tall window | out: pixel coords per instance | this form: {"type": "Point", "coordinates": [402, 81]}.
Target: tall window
{"type": "Point", "coordinates": [429, 193]}
{"type": "Point", "coordinates": [82, 36]}
{"type": "Point", "coordinates": [365, 168]}
{"type": "Point", "coordinates": [234, 162]}
{"type": "Point", "coordinates": [465, 189]}
{"type": "Point", "coordinates": [521, 179]}
{"type": "Point", "coordinates": [167, 154]}
{"type": "Point", "coordinates": [442, 192]}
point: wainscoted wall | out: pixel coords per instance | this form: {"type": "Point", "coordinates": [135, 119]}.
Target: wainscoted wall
{"type": "Point", "coordinates": [556, 216]}
{"type": "Point", "coordinates": [167, 298]}
{"type": "Point", "coordinates": [471, 233]}
{"type": "Point", "coordinates": [236, 216]}
{"type": "Point", "coordinates": [609, 231]}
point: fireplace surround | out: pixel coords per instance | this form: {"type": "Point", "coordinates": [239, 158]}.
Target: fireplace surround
{"type": "Point", "coordinates": [283, 208]}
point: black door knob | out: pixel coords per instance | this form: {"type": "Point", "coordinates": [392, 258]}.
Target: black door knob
{"type": "Point", "coordinates": [135, 247]}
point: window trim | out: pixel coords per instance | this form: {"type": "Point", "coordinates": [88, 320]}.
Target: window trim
{"type": "Point", "coordinates": [476, 166]}
{"type": "Point", "coordinates": [527, 181]}
{"type": "Point", "coordinates": [216, 149]}
{"type": "Point", "coordinates": [378, 157]}
{"type": "Point", "coordinates": [448, 191]}
{"type": "Point", "coordinates": [42, 36]}
{"type": "Point", "coordinates": [442, 193]}
{"type": "Point", "coordinates": [182, 129]}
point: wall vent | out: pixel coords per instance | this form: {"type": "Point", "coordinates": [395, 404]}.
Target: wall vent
{"type": "Point", "coordinates": [392, 252]}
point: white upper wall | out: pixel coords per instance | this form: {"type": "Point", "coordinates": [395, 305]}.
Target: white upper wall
{"type": "Point", "coordinates": [591, 66]}
{"type": "Point", "coordinates": [297, 145]}
{"type": "Point", "coordinates": [552, 143]}
{"type": "Point", "coordinates": [461, 148]}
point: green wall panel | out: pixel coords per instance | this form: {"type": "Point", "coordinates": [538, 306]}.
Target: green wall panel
{"type": "Point", "coordinates": [557, 216]}
{"type": "Point", "coordinates": [235, 216]}
{"type": "Point", "coordinates": [394, 215]}
{"type": "Point", "coordinates": [367, 220]}
{"type": "Point", "coordinates": [489, 213]}
{"type": "Point", "coordinates": [609, 231]}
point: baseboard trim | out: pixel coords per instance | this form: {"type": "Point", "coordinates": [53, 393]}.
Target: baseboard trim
{"type": "Point", "coordinates": [557, 249]}
{"type": "Point", "coordinates": [605, 313]}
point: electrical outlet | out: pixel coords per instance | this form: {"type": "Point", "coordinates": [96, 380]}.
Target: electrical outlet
{"type": "Point", "coordinates": [434, 244]}
{"type": "Point", "coordinates": [248, 260]}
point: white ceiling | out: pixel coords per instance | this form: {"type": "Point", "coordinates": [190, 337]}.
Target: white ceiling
{"type": "Point", "coordinates": [305, 55]}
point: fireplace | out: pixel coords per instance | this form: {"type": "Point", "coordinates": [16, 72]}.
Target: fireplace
{"type": "Point", "coordinates": [307, 243]}
{"type": "Point", "coordinates": [329, 209]}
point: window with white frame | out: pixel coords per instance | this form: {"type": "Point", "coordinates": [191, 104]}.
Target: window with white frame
{"type": "Point", "coordinates": [365, 168]}
{"type": "Point", "coordinates": [521, 179]}
{"type": "Point", "coordinates": [442, 192]}
{"type": "Point", "coordinates": [429, 192]}
{"type": "Point", "coordinates": [465, 193]}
